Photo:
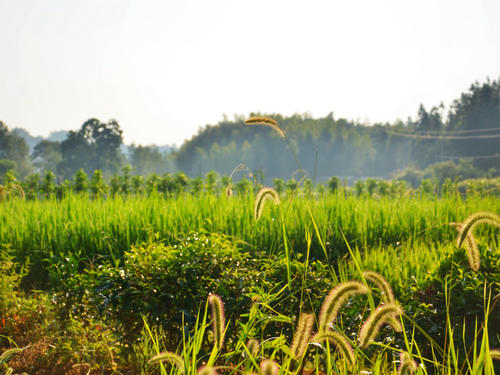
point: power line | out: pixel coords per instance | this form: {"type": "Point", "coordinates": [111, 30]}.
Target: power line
{"type": "Point", "coordinates": [449, 137]}
{"type": "Point", "coordinates": [472, 157]}
{"type": "Point", "coordinates": [445, 132]}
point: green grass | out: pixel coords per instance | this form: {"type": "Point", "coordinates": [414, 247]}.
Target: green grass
{"type": "Point", "coordinates": [111, 226]}
{"type": "Point", "coordinates": [406, 239]}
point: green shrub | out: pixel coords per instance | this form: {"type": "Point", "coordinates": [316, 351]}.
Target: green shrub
{"type": "Point", "coordinates": [467, 292]}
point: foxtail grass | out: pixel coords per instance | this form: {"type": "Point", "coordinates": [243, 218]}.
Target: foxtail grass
{"type": "Point", "coordinates": [206, 370]}
{"type": "Point", "coordinates": [253, 347]}
{"type": "Point", "coordinates": [407, 366]}
{"type": "Point", "coordinates": [472, 252]}
{"type": "Point", "coordinates": [377, 318]}
{"type": "Point", "coordinates": [264, 194]}
{"type": "Point", "coordinates": [386, 294]}
{"type": "Point", "coordinates": [269, 367]}
{"type": "Point", "coordinates": [495, 354]}
{"type": "Point", "coordinates": [218, 320]}
{"type": "Point", "coordinates": [473, 220]}
{"type": "Point", "coordinates": [382, 284]}
{"type": "Point", "coordinates": [343, 346]}
{"type": "Point", "coordinates": [336, 299]}
{"type": "Point", "coordinates": [169, 357]}
{"type": "Point", "coordinates": [302, 335]}
{"type": "Point", "coordinates": [266, 121]}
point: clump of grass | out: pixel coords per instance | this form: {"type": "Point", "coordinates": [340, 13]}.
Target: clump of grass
{"type": "Point", "coordinates": [407, 366]}
{"type": "Point", "coordinates": [266, 121]}
{"type": "Point", "coordinates": [335, 299]}
{"type": "Point", "coordinates": [218, 319]}
{"type": "Point", "coordinates": [340, 342]}
{"type": "Point", "coordinates": [377, 318]}
{"type": "Point", "coordinates": [264, 194]}
{"type": "Point", "coordinates": [302, 335]}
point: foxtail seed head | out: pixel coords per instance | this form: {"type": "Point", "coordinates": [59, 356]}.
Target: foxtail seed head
{"type": "Point", "coordinates": [495, 354]}
{"type": "Point", "coordinates": [266, 121]}
{"type": "Point", "coordinates": [206, 370]}
{"type": "Point", "coordinates": [170, 357]}
{"type": "Point", "coordinates": [269, 367]}
{"type": "Point", "coordinates": [381, 283]}
{"type": "Point", "coordinates": [342, 345]}
{"type": "Point", "coordinates": [253, 347]}
{"type": "Point", "coordinates": [302, 335]}
{"type": "Point", "coordinates": [473, 220]}
{"type": "Point", "coordinates": [19, 189]}
{"type": "Point", "coordinates": [471, 246]}
{"type": "Point", "coordinates": [218, 319]}
{"type": "Point", "coordinates": [229, 191]}
{"type": "Point", "coordinates": [372, 325]}
{"type": "Point", "coordinates": [407, 366]}
{"type": "Point", "coordinates": [335, 299]}
{"type": "Point", "coordinates": [264, 194]}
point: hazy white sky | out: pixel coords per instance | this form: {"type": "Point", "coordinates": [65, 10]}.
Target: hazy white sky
{"type": "Point", "coordinates": [164, 68]}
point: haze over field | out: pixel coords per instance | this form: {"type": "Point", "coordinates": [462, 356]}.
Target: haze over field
{"type": "Point", "coordinates": [163, 69]}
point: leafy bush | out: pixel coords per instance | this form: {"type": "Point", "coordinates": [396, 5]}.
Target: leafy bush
{"type": "Point", "coordinates": [467, 292]}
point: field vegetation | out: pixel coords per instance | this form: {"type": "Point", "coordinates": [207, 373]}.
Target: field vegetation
{"type": "Point", "coordinates": [104, 282]}
{"type": "Point", "coordinates": [224, 275]}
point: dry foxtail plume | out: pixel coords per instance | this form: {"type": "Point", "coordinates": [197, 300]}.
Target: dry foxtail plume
{"type": "Point", "coordinates": [340, 343]}
{"type": "Point", "coordinates": [465, 234]}
{"type": "Point", "coordinates": [377, 318]}
{"type": "Point", "coordinates": [387, 294]}
{"type": "Point", "coordinates": [335, 299]}
{"type": "Point", "coordinates": [407, 366]}
{"type": "Point", "coordinates": [269, 367]}
{"type": "Point", "coordinates": [266, 121]}
{"type": "Point", "coordinates": [218, 319]}
{"type": "Point", "coordinates": [264, 194]}
{"type": "Point", "coordinates": [472, 250]}
{"type": "Point", "coordinates": [168, 357]}
{"type": "Point", "coordinates": [302, 335]}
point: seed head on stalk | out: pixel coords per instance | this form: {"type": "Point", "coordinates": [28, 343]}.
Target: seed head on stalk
{"type": "Point", "coordinates": [218, 319]}
{"type": "Point", "coordinates": [266, 121]}
{"type": "Point", "coordinates": [302, 335]}
{"type": "Point", "coordinates": [336, 299]}
{"type": "Point", "coordinates": [340, 342]}
{"type": "Point", "coordinates": [377, 318]}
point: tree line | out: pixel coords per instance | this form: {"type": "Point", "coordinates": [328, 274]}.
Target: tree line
{"type": "Point", "coordinates": [324, 147]}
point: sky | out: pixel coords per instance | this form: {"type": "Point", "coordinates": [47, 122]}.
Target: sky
{"type": "Point", "coordinates": [165, 68]}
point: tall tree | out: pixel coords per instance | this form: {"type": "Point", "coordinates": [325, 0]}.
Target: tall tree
{"type": "Point", "coordinates": [95, 146]}
{"type": "Point", "coordinates": [47, 155]}
{"type": "Point", "coordinates": [14, 148]}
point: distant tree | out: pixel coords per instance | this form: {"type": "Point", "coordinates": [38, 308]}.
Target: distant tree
{"type": "Point", "coordinates": [478, 108]}
{"type": "Point", "coordinates": [47, 155]}
{"type": "Point", "coordinates": [95, 146]}
{"type": "Point", "coordinates": [148, 159]}
{"type": "Point", "coordinates": [6, 165]}
{"type": "Point", "coordinates": [13, 147]}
